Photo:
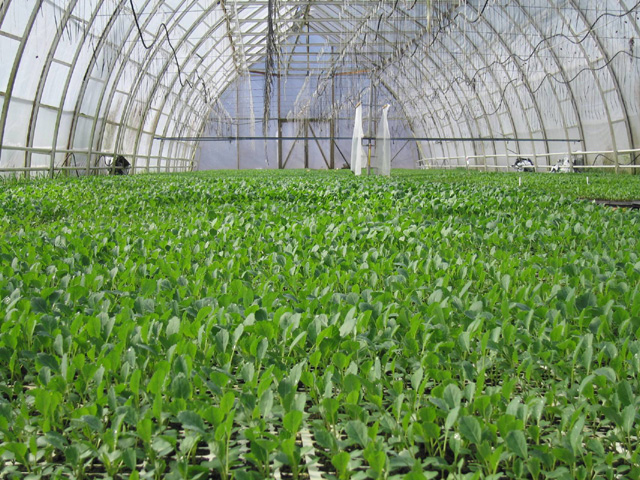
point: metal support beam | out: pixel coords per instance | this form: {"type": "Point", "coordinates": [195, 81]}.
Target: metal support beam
{"type": "Point", "coordinates": [332, 125]}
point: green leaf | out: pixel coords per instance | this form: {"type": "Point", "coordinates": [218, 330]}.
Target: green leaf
{"type": "Point", "coordinates": [227, 401]}
{"type": "Point", "coordinates": [377, 460]}
{"type": "Point", "coordinates": [56, 440]}
{"type": "Point", "coordinates": [505, 280]}
{"type": "Point", "coordinates": [266, 403]}
{"type": "Point", "coordinates": [341, 462]}
{"type": "Point", "coordinates": [416, 378]}
{"type": "Point", "coordinates": [452, 416]}
{"type": "Point", "coordinates": [39, 305]}
{"type": "Point", "coordinates": [129, 458]}
{"type": "Point", "coordinates": [18, 449]}
{"type": "Point", "coordinates": [156, 383]}
{"type": "Point", "coordinates": [292, 421]}
{"type": "Point", "coordinates": [586, 300]}
{"type": "Point", "coordinates": [191, 421]}
{"type": "Point", "coordinates": [470, 429]}
{"type": "Point", "coordinates": [92, 422]}
{"type": "Point", "coordinates": [517, 443]}
{"type": "Point", "coordinates": [628, 418]}
{"type": "Point", "coordinates": [47, 360]}
{"type": "Point", "coordinates": [134, 381]}
{"type": "Point", "coordinates": [452, 395]}
{"type": "Point", "coordinates": [607, 372]}
{"type": "Point", "coordinates": [173, 327]}
{"type": "Point", "coordinates": [575, 436]}
{"type": "Point", "coordinates": [349, 323]}
{"type": "Point", "coordinates": [625, 393]}
{"type": "Point", "coordinates": [357, 431]}
{"type": "Point", "coordinates": [145, 429]}
{"type": "Point", "coordinates": [181, 387]}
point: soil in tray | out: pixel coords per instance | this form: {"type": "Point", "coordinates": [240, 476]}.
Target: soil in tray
{"type": "Point", "coordinates": [635, 204]}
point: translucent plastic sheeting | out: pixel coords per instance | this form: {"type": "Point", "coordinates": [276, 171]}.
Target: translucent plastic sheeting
{"type": "Point", "coordinates": [87, 79]}
{"type": "Point", "coordinates": [383, 145]}
{"type": "Point", "coordinates": [357, 152]}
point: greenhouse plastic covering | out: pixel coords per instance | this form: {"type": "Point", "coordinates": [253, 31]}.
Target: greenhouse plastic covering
{"type": "Point", "coordinates": [357, 152]}
{"type": "Point", "coordinates": [83, 81]}
{"type": "Point", "coordinates": [383, 144]}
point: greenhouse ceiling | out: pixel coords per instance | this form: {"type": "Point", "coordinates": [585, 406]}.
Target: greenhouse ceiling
{"type": "Point", "coordinates": [82, 81]}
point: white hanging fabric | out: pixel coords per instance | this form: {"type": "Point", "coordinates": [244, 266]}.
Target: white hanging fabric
{"type": "Point", "coordinates": [357, 152]}
{"type": "Point", "coordinates": [383, 145]}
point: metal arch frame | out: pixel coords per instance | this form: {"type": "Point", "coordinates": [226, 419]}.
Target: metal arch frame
{"type": "Point", "coordinates": [65, 91]}
{"type": "Point", "coordinates": [445, 100]}
{"type": "Point", "coordinates": [364, 25]}
{"type": "Point", "coordinates": [394, 95]}
{"type": "Point", "coordinates": [85, 83]}
{"type": "Point", "coordinates": [191, 92]}
{"type": "Point", "coordinates": [188, 112]}
{"type": "Point", "coordinates": [37, 101]}
{"type": "Point", "coordinates": [564, 78]}
{"type": "Point", "coordinates": [183, 111]}
{"type": "Point", "coordinates": [111, 87]}
{"type": "Point", "coordinates": [17, 61]}
{"type": "Point", "coordinates": [444, 94]}
{"type": "Point", "coordinates": [81, 97]}
{"type": "Point", "coordinates": [588, 62]}
{"type": "Point", "coordinates": [361, 25]}
{"type": "Point", "coordinates": [437, 124]}
{"type": "Point", "coordinates": [526, 85]}
{"type": "Point", "coordinates": [455, 95]}
{"type": "Point", "coordinates": [150, 100]}
{"type": "Point", "coordinates": [153, 53]}
{"type": "Point", "coordinates": [4, 8]}
{"type": "Point", "coordinates": [487, 118]}
{"type": "Point", "coordinates": [207, 111]}
{"type": "Point", "coordinates": [121, 125]}
{"type": "Point", "coordinates": [420, 67]}
{"type": "Point", "coordinates": [614, 80]}
{"type": "Point", "coordinates": [320, 33]}
{"type": "Point", "coordinates": [388, 88]}
{"type": "Point", "coordinates": [464, 33]}
{"type": "Point", "coordinates": [496, 82]}
{"type": "Point", "coordinates": [636, 27]}
{"type": "Point", "coordinates": [412, 99]}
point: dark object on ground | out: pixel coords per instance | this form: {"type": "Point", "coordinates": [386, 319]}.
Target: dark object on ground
{"type": "Point", "coordinates": [523, 164]}
{"type": "Point", "coordinates": [121, 166]}
{"type": "Point", "coordinates": [635, 204]}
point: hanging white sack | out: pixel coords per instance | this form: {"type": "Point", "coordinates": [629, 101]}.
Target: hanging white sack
{"type": "Point", "coordinates": [357, 152]}
{"type": "Point", "coordinates": [383, 145]}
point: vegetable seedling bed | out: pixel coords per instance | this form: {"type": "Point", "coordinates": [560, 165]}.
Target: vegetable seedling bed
{"type": "Point", "coordinates": [317, 325]}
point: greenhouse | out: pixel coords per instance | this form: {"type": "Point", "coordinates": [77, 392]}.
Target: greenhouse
{"type": "Point", "coordinates": [319, 239]}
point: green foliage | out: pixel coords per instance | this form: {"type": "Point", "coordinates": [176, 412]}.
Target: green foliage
{"type": "Point", "coordinates": [430, 325]}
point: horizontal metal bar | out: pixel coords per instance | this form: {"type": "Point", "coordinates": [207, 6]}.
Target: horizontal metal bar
{"type": "Point", "coordinates": [420, 139]}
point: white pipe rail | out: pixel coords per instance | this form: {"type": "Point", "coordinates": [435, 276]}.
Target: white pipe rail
{"type": "Point", "coordinates": [447, 162]}
{"type": "Point", "coordinates": [179, 164]}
